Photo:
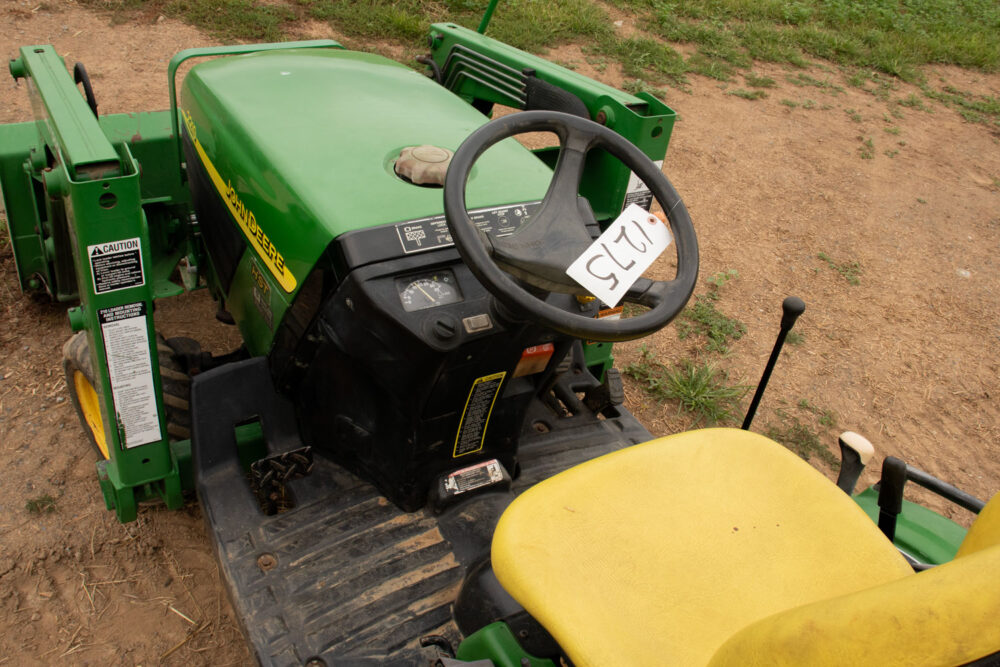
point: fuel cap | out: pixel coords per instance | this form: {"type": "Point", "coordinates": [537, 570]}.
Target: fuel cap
{"type": "Point", "coordinates": [424, 165]}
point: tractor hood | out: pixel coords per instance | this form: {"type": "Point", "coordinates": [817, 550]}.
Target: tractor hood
{"type": "Point", "coordinates": [300, 145]}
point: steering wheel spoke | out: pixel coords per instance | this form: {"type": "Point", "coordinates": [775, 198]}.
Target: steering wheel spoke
{"type": "Point", "coordinates": [539, 253]}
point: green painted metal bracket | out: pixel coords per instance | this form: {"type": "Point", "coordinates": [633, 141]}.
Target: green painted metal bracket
{"type": "Point", "coordinates": [496, 642]}
{"type": "Point", "coordinates": [234, 50]}
{"type": "Point", "coordinates": [920, 532]}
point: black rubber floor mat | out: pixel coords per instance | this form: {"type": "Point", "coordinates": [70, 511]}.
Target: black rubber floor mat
{"type": "Point", "coordinates": [344, 577]}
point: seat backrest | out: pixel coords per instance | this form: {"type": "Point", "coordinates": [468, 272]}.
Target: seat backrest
{"type": "Point", "coordinates": [944, 616]}
{"type": "Point", "coordinates": [985, 530]}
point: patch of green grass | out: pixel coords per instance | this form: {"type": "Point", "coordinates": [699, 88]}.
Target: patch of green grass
{"type": "Point", "coordinates": [854, 115]}
{"type": "Point", "coordinates": [891, 130]}
{"type": "Point", "coordinates": [890, 152]}
{"type": "Point", "coordinates": [43, 504]}
{"type": "Point", "coordinates": [748, 94]}
{"type": "Point", "coordinates": [789, 103]}
{"type": "Point", "coordinates": [795, 338]}
{"type": "Point", "coordinates": [701, 389]}
{"type": "Point", "coordinates": [800, 438]}
{"type": "Point", "coordinates": [644, 58]}
{"type": "Point", "coordinates": [851, 271]}
{"type": "Point", "coordinates": [234, 20]}
{"type": "Point", "coordinates": [755, 81]}
{"type": "Point", "coordinates": [873, 34]}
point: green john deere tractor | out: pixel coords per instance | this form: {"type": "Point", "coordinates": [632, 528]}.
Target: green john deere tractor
{"type": "Point", "coordinates": [419, 454]}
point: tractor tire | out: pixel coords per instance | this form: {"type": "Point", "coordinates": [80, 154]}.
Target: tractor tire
{"type": "Point", "coordinates": [85, 395]}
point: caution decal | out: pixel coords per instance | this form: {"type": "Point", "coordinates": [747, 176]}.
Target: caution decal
{"type": "Point", "coordinates": [261, 243]}
{"type": "Point", "coordinates": [476, 416]}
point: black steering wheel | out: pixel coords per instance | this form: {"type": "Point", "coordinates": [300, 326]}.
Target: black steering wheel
{"type": "Point", "coordinates": [540, 251]}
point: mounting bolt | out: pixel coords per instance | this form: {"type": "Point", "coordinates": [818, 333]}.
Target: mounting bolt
{"type": "Point", "coordinates": [266, 562]}
{"type": "Point", "coordinates": [601, 118]}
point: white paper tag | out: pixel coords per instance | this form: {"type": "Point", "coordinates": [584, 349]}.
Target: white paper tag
{"type": "Point", "coordinates": [612, 264]}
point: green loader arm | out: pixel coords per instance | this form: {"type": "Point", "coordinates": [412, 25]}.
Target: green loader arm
{"type": "Point", "coordinates": [75, 214]}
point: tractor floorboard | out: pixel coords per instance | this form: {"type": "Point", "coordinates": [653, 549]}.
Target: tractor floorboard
{"type": "Point", "coordinates": [344, 576]}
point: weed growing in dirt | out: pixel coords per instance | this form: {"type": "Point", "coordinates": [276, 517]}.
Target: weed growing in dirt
{"type": "Point", "coordinates": [911, 101]}
{"type": "Point", "coordinates": [824, 417]}
{"type": "Point", "coordinates": [800, 438]}
{"type": "Point", "coordinates": [43, 504]}
{"type": "Point", "coordinates": [701, 389]}
{"type": "Point", "coordinates": [851, 271]}
{"type": "Point", "coordinates": [983, 109]}
{"type": "Point", "coordinates": [703, 318]}
{"type": "Point", "coordinates": [795, 338]}
{"type": "Point", "coordinates": [802, 80]}
{"type": "Point", "coordinates": [882, 85]}
{"type": "Point", "coordinates": [789, 103]}
{"type": "Point", "coordinates": [854, 115]}
{"type": "Point", "coordinates": [891, 130]}
{"type": "Point", "coordinates": [636, 86]}
{"type": "Point", "coordinates": [755, 81]}
{"type": "Point", "coordinates": [748, 94]}
{"type": "Point", "coordinates": [867, 148]}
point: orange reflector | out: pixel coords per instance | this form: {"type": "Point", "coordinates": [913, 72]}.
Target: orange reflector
{"type": "Point", "coordinates": [534, 359]}
{"type": "Point", "coordinates": [611, 313]}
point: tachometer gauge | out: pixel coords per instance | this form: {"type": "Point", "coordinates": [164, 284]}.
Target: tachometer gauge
{"type": "Point", "coordinates": [428, 290]}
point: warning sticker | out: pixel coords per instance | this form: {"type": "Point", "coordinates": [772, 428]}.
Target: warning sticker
{"type": "Point", "coordinates": [474, 477]}
{"type": "Point", "coordinates": [115, 265]}
{"type": "Point", "coordinates": [637, 192]}
{"type": "Point", "coordinates": [126, 344]}
{"type": "Point", "coordinates": [476, 416]}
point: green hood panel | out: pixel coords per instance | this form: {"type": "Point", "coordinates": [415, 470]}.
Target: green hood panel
{"type": "Point", "coordinates": [303, 145]}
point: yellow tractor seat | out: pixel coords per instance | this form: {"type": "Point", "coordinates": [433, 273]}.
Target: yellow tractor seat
{"type": "Point", "coordinates": [720, 546]}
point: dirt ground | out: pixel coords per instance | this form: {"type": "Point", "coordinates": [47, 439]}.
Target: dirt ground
{"type": "Point", "coordinates": [908, 357]}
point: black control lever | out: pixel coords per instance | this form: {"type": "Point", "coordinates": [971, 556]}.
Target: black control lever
{"type": "Point", "coordinates": [791, 308]}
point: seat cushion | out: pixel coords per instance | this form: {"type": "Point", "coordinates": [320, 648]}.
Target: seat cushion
{"type": "Point", "coordinates": [944, 616]}
{"type": "Point", "coordinates": [985, 530]}
{"type": "Point", "coordinates": [658, 553]}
